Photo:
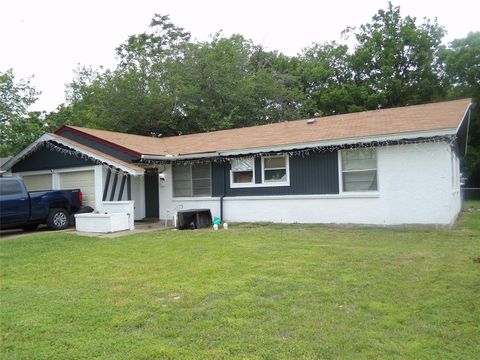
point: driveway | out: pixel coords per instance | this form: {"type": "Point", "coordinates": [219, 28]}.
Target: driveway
{"type": "Point", "coordinates": [42, 229]}
{"type": "Point", "coordinates": [17, 233]}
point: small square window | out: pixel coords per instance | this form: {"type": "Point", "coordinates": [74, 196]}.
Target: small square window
{"type": "Point", "coordinates": [242, 171]}
{"type": "Point", "coordinates": [275, 169]}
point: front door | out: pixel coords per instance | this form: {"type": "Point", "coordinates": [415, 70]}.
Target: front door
{"type": "Point", "coordinates": [151, 194]}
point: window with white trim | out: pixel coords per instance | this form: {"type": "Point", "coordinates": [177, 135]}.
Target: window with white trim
{"type": "Point", "coordinates": [275, 169]}
{"type": "Point", "coordinates": [359, 169]}
{"type": "Point", "coordinates": [242, 171]}
{"type": "Point", "coordinates": [192, 180]}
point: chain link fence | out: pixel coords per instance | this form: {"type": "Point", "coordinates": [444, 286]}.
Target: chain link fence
{"type": "Point", "coordinates": [471, 199]}
{"type": "Point", "coordinates": [471, 193]}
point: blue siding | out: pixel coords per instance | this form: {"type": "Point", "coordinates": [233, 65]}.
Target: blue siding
{"type": "Point", "coordinates": [316, 173]}
{"type": "Point", "coordinates": [258, 170]}
{"type": "Point", "coordinates": [46, 159]}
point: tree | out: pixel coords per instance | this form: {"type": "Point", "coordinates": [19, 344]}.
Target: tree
{"type": "Point", "coordinates": [163, 42]}
{"type": "Point", "coordinates": [398, 61]}
{"type": "Point", "coordinates": [462, 68]}
{"type": "Point", "coordinates": [137, 96]}
{"type": "Point", "coordinates": [166, 84]}
{"type": "Point", "coordinates": [328, 79]}
{"type": "Point", "coordinates": [18, 127]}
{"type": "Point", "coordinates": [230, 82]}
{"type": "Point", "coordinates": [462, 65]}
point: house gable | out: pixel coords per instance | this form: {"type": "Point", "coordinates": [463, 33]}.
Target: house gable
{"type": "Point", "coordinates": [44, 158]}
{"type": "Point", "coordinates": [99, 144]}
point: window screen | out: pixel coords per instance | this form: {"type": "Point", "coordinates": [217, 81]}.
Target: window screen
{"type": "Point", "coordinates": [192, 180]}
{"type": "Point", "coordinates": [201, 180]}
{"type": "Point", "coordinates": [359, 169]}
{"type": "Point", "coordinates": [275, 169]}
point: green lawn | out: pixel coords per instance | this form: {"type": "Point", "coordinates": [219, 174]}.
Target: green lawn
{"type": "Point", "coordinates": [252, 292]}
{"type": "Point", "coordinates": [471, 204]}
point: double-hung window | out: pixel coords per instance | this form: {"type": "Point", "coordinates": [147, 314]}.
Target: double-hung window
{"type": "Point", "coordinates": [242, 172]}
{"type": "Point", "coordinates": [275, 170]}
{"type": "Point", "coordinates": [359, 169]}
{"type": "Point", "coordinates": [192, 180]}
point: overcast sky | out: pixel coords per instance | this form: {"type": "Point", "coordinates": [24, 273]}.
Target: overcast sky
{"type": "Point", "coordinates": [48, 38]}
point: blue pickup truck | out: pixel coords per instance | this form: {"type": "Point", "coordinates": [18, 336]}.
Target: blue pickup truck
{"type": "Point", "coordinates": [22, 209]}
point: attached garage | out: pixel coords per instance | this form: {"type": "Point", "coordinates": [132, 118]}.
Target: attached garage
{"type": "Point", "coordinates": [38, 182]}
{"type": "Point", "coordinates": [56, 163]}
{"type": "Point", "coordinates": [83, 180]}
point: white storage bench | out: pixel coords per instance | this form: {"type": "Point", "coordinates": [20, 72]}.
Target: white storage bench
{"type": "Point", "coordinates": [102, 223]}
{"type": "Point", "coordinates": [113, 216]}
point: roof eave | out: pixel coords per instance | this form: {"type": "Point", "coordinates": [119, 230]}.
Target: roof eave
{"type": "Point", "coordinates": [305, 145]}
{"type": "Point", "coordinates": [14, 159]}
{"type": "Point", "coordinates": [169, 157]}
{"type": "Point", "coordinates": [87, 135]}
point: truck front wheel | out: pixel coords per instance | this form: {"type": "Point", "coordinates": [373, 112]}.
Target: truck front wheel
{"type": "Point", "coordinates": [57, 219]}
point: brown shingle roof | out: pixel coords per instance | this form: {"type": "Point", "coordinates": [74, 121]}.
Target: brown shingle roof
{"type": "Point", "coordinates": [417, 118]}
{"type": "Point", "coordinates": [98, 153]}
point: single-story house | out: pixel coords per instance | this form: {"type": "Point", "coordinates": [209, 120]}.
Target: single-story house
{"type": "Point", "coordinates": [386, 167]}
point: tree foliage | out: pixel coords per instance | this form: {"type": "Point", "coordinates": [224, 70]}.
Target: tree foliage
{"type": "Point", "coordinates": [15, 97]}
{"type": "Point", "coordinates": [18, 127]}
{"type": "Point", "coordinates": [462, 68]}
{"type": "Point", "coordinates": [328, 80]}
{"type": "Point", "coordinates": [462, 65]}
{"type": "Point", "coordinates": [397, 61]}
{"type": "Point", "coordinates": [165, 84]}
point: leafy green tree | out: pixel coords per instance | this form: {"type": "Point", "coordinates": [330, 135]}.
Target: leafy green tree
{"type": "Point", "coordinates": [163, 42]}
{"type": "Point", "coordinates": [397, 61]}
{"type": "Point", "coordinates": [15, 97]}
{"type": "Point", "coordinates": [137, 96]}
{"type": "Point", "coordinates": [328, 79]}
{"type": "Point", "coordinates": [230, 82]}
{"type": "Point", "coordinates": [165, 84]}
{"type": "Point", "coordinates": [462, 65]}
{"type": "Point", "coordinates": [18, 127]}
{"type": "Point", "coordinates": [462, 68]}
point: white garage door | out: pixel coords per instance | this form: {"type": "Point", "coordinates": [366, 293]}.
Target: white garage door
{"type": "Point", "coordinates": [38, 182]}
{"type": "Point", "coordinates": [83, 180]}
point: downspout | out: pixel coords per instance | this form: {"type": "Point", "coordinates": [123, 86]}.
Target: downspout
{"type": "Point", "coordinates": [221, 208]}
{"type": "Point", "coordinates": [223, 193]}
{"type": "Point", "coordinates": [470, 109]}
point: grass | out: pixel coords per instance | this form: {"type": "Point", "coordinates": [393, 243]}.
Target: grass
{"type": "Point", "coordinates": [472, 204]}
{"type": "Point", "coordinates": [258, 291]}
